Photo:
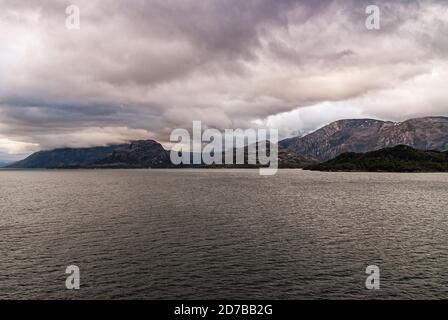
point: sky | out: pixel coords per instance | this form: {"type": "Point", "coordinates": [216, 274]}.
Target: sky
{"type": "Point", "coordinates": [140, 69]}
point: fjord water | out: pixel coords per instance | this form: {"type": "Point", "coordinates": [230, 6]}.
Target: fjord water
{"type": "Point", "coordinates": [229, 234]}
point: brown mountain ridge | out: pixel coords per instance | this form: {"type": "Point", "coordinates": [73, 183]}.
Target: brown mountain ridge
{"type": "Point", "coordinates": [364, 135]}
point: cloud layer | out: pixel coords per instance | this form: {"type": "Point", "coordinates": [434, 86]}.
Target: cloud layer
{"type": "Point", "coordinates": [139, 69]}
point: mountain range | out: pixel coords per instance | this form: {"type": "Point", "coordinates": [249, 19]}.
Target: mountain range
{"type": "Point", "coordinates": [137, 154]}
{"type": "Point", "coordinates": [328, 142]}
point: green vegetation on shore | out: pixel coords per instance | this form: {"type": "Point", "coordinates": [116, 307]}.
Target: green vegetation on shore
{"type": "Point", "coordinates": [397, 159]}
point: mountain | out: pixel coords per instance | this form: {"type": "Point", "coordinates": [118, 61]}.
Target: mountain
{"type": "Point", "coordinates": [364, 135]}
{"type": "Point", "coordinates": [137, 154]}
{"type": "Point", "coordinates": [62, 158]}
{"type": "Point", "coordinates": [396, 159]}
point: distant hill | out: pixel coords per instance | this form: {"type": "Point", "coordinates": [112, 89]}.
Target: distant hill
{"type": "Point", "coordinates": [396, 159]}
{"type": "Point", "coordinates": [66, 157]}
{"type": "Point", "coordinates": [364, 135]}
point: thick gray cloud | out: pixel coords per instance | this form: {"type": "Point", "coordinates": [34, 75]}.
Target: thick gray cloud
{"type": "Point", "coordinates": [138, 69]}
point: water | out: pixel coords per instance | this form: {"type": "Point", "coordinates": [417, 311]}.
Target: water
{"type": "Point", "coordinates": [229, 234]}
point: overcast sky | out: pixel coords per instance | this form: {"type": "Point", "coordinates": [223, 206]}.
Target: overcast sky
{"type": "Point", "coordinates": [139, 69]}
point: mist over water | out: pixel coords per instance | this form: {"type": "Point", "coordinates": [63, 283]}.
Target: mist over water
{"type": "Point", "coordinates": [228, 234]}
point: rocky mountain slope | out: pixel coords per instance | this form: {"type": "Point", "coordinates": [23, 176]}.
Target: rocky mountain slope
{"type": "Point", "coordinates": [396, 159]}
{"type": "Point", "coordinates": [364, 135]}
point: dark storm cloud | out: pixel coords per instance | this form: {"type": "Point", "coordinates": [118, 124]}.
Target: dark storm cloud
{"type": "Point", "coordinates": [141, 68]}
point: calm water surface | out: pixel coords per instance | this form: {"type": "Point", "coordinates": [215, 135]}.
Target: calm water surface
{"type": "Point", "coordinates": [229, 234]}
